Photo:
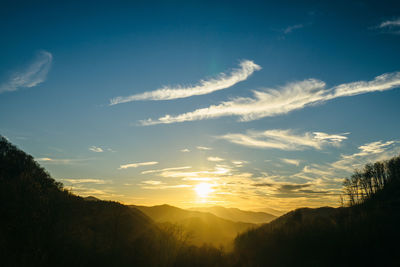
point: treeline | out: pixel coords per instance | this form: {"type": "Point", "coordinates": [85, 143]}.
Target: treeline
{"type": "Point", "coordinates": [365, 233]}
{"type": "Point", "coordinates": [366, 183]}
{"type": "Point", "coordinates": [42, 224]}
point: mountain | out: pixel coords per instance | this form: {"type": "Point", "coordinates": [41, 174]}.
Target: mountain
{"type": "Point", "coordinates": [202, 227]}
{"type": "Point", "coordinates": [42, 224]}
{"type": "Point", "coordinates": [274, 212]}
{"type": "Point", "coordinates": [360, 234]}
{"type": "Point", "coordinates": [237, 215]}
{"type": "Point", "coordinates": [91, 198]}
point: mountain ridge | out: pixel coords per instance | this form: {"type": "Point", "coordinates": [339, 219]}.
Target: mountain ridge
{"type": "Point", "coordinates": [204, 227]}
{"type": "Point", "coordinates": [238, 215]}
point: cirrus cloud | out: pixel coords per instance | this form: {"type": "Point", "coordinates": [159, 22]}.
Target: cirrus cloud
{"type": "Point", "coordinates": [32, 76]}
{"type": "Point", "coordinates": [389, 26]}
{"type": "Point", "coordinates": [284, 139]}
{"type": "Point", "coordinates": [138, 164]}
{"type": "Point", "coordinates": [222, 81]}
{"type": "Point", "coordinates": [290, 97]}
{"type": "Point", "coordinates": [96, 149]}
{"type": "Point", "coordinates": [215, 159]}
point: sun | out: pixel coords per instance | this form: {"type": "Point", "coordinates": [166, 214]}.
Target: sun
{"type": "Point", "coordinates": [203, 189]}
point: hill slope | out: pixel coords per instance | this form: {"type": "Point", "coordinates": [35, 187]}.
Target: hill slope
{"type": "Point", "coordinates": [41, 224]}
{"type": "Point", "coordinates": [359, 235]}
{"type": "Point", "coordinates": [237, 215]}
{"type": "Point", "coordinates": [203, 227]}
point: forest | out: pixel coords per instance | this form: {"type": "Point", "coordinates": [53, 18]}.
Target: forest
{"type": "Point", "coordinates": [43, 224]}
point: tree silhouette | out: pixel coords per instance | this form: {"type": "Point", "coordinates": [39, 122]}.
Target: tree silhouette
{"type": "Point", "coordinates": [42, 224]}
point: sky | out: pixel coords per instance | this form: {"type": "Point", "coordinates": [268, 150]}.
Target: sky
{"type": "Point", "coordinates": [247, 104]}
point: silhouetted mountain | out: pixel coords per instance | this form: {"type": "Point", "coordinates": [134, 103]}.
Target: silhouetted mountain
{"type": "Point", "coordinates": [274, 212]}
{"type": "Point", "coordinates": [203, 227]}
{"type": "Point", "coordinates": [44, 225]}
{"type": "Point", "coordinates": [91, 198]}
{"type": "Point", "coordinates": [363, 234]}
{"type": "Point", "coordinates": [237, 215]}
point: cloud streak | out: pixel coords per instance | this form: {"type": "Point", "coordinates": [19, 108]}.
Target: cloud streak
{"type": "Point", "coordinates": [388, 26]}
{"type": "Point", "coordinates": [390, 23]}
{"type": "Point", "coordinates": [167, 170]}
{"type": "Point", "coordinates": [204, 148]}
{"type": "Point", "coordinates": [295, 162]}
{"type": "Point", "coordinates": [284, 139]}
{"type": "Point", "coordinates": [346, 164]}
{"type": "Point", "coordinates": [60, 161]}
{"type": "Point", "coordinates": [289, 29]}
{"type": "Point", "coordinates": [84, 181]}
{"type": "Point", "coordinates": [138, 164]}
{"type": "Point", "coordinates": [290, 97]}
{"type": "Point", "coordinates": [222, 81]}
{"type": "Point", "coordinates": [96, 149]}
{"type": "Point", "coordinates": [370, 152]}
{"type": "Point", "coordinates": [32, 76]}
{"type": "Point", "coordinates": [215, 159]}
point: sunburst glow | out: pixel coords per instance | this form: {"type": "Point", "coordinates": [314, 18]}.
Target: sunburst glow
{"type": "Point", "coordinates": [203, 189]}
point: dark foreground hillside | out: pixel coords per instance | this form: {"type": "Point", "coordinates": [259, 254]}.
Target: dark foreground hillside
{"type": "Point", "coordinates": [41, 224]}
{"type": "Point", "coordinates": [365, 234]}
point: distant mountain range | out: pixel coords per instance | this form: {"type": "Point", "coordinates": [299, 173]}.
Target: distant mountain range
{"type": "Point", "coordinates": [43, 224]}
{"type": "Point", "coordinates": [274, 212]}
{"type": "Point", "coordinates": [237, 215]}
{"type": "Point", "coordinates": [202, 227]}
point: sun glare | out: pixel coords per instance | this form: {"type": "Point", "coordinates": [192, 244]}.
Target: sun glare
{"type": "Point", "coordinates": [203, 189]}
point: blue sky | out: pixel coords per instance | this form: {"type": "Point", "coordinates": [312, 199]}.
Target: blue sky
{"type": "Point", "coordinates": [262, 104]}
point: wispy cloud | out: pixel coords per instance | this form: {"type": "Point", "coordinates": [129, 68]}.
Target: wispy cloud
{"type": "Point", "coordinates": [215, 159]}
{"type": "Point", "coordinates": [239, 163]}
{"type": "Point", "coordinates": [152, 182]}
{"type": "Point", "coordinates": [284, 139]}
{"type": "Point", "coordinates": [291, 161]}
{"type": "Point", "coordinates": [291, 28]}
{"type": "Point", "coordinates": [163, 186]}
{"type": "Point", "coordinates": [313, 186]}
{"type": "Point", "coordinates": [85, 181]}
{"type": "Point", "coordinates": [60, 161]}
{"type": "Point", "coordinates": [32, 76]}
{"type": "Point", "coordinates": [390, 23]}
{"type": "Point", "coordinates": [167, 170]}
{"type": "Point", "coordinates": [372, 148]}
{"type": "Point", "coordinates": [222, 81]}
{"type": "Point", "coordinates": [334, 138]}
{"type": "Point", "coordinates": [96, 149]}
{"type": "Point", "coordinates": [273, 102]}
{"type": "Point", "coordinates": [346, 164]}
{"type": "Point", "coordinates": [185, 150]}
{"type": "Point", "coordinates": [370, 152]}
{"type": "Point", "coordinates": [318, 171]}
{"type": "Point", "coordinates": [156, 185]}
{"type": "Point", "coordinates": [178, 173]}
{"type": "Point", "coordinates": [138, 164]}
{"type": "Point", "coordinates": [390, 26]}
{"type": "Point", "coordinates": [203, 148]}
